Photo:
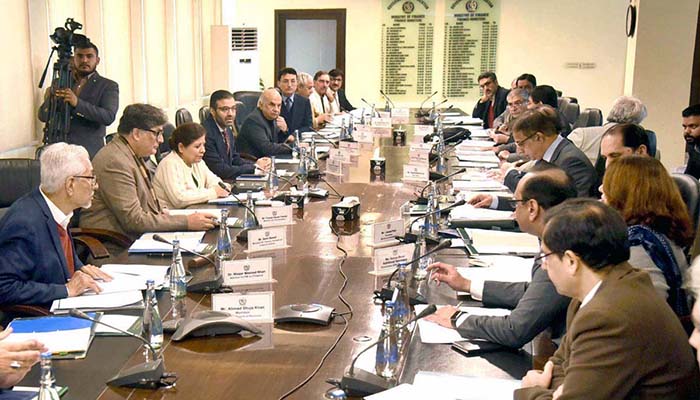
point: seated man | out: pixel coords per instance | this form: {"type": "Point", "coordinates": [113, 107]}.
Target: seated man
{"type": "Point", "coordinates": [526, 82]}
{"type": "Point", "coordinates": [517, 104]}
{"type": "Point", "coordinates": [259, 132]}
{"type": "Point", "coordinates": [622, 341]}
{"type": "Point", "coordinates": [126, 201]}
{"type": "Point", "coordinates": [547, 95]}
{"type": "Point", "coordinates": [623, 140]}
{"type": "Point", "coordinates": [536, 305]}
{"type": "Point", "coordinates": [337, 77]}
{"type": "Point", "coordinates": [220, 154]}
{"type": "Point", "coordinates": [535, 135]}
{"type": "Point", "coordinates": [691, 133]}
{"type": "Point", "coordinates": [38, 263]}
{"type": "Point", "coordinates": [323, 102]}
{"type": "Point", "coordinates": [295, 114]}
{"type": "Point", "coordinates": [493, 101]}
{"type": "Point", "coordinates": [305, 85]}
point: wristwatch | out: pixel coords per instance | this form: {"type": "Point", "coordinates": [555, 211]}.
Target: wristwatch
{"type": "Point", "coordinates": [455, 317]}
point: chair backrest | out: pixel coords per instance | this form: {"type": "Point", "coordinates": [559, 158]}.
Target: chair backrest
{"type": "Point", "coordinates": [571, 99]}
{"type": "Point", "coordinates": [651, 135]}
{"type": "Point", "coordinates": [203, 114]}
{"type": "Point", "coordinates": [250, 102]}
{"type": "Point", "coordinates": [589, 117]}
{"type": "Point", "coordinates": [238, 96]}
{"type": "Point", "coordinates": [571, 112]}
{"type": "Point", "coordinates": [182, 116]}
{"type": "Point", "coordinates": [18, 176]}
{"type": "Point", "coordinates": [164, 147]}
{"type": "Point", "coordinates": [690, 192]}
{"type": "Point", "coordinates": [562, 102]}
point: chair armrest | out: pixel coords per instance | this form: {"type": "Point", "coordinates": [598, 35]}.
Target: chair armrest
{"type": "Point", "coordinates": [103, 235]}
{"type": "Point", "coordinates": [95, 247]}
{"type": "Point", "coordinates": [25, 310]}
{"type": "Point", "coordinates": [247, 156]}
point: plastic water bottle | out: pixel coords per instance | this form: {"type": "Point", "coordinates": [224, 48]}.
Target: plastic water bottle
{"type": "Point", "coordinates": [382, 346]}
{"type": "Point", "coordinates": [273, 181]}
{"type": "Point", "coordinates": [249, 218]}
{"type": "Point", "coordinates": [303, 171]}
{"type": "Point", "coordinates": [391, 347]}
{"type": "Point", "coordinates": [152, 326]}
{"type": "Point", "coordinates": [47, 390]}
{"type": "Point", "coordinates": [421, 271]}
{"type": "Point", "coordinates": [224, 248]}
{"type": "Point", "coordinates": [178, 285]}
{"type": "Point", "coordinates": [430, 227]}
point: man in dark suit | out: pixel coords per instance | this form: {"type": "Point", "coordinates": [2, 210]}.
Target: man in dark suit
{"type": "Point", "coordinates": [622, 340]}
{"type": "Point", "coordinates": [220, 148]}
{"type": "Point", "coordinates": [493, 101]}
{"type": "Point", "coordinates": [691, 133]}
{"type": "Point", "coordinates": [93, 100]}
{"type": "Point", "coordinates": [337, 79]}
{"type": "Point", "coordinates": [260, 131]}
{"type": "Point", "coordinates": [535, 135]}
{"type": "Point", "coordinates": [38, 263]}
{"type": "Point", "coordinates": [535, 305]}
{"type": "Point", "coordinates": [296, 110]}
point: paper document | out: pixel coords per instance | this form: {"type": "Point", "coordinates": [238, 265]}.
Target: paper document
{"type": "Point", "coordinates": [157, 273]}
{"type": "Point", "coordinates": [404, 391]}
{"type": "Point", "coordinates": [60, 334]}
{"type": "Point", "coordinates": [188, 240]}
{"type": "Point", "coordinates": [475, 164]}
{"type": "Point", "coordinates": [216, 212]}
{"type": "Point", "coordinates": [502, 242]}
{"type": "Point", "coordinates": [499, 268]}
{"type": "Point", "coordinates": [123, 322]}
{"type": "Point", "coordinates": [478, 185]}
{"type": "Point", "coordinates": [462, 120]}
{"type": "Point", "coordinates": [469, 212]}
{"type": "Point", "coordinates": [475, 143]}
{"type": "Point", "coordinates": [455, 387]}
{"type": "Point", "coordinates": [109, 301]}
{"type": "Point", "coordinates": [431, 332]}
{"type": "Point", "coordinates": [259, 195]}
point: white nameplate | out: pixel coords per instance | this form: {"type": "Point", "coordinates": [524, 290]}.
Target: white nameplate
{"type": "Point", "coordinates": [386, 259]}
{"type": "Point", "coordinates": [422, 130]}
{"type": "Point", "coordinates": [399, 116]}
{"type": "Point", "coordinates": [267, 239]}
{"type": "Point", "coordinates": [334, 166]}
{"type": "Point", "coordinates": [251, 306]}
{"type": "Point", "coordinates": [415, 172]}
{"type": "Point", "coordinates": [363, 134]}
{"type": "Point", "coordinates": [381, 122]}
{"type": "Point", "coordinates": [386, 232]}
{"type": "Point", "coordinates": [352, 148]}
{"type": "Point", "coordinates": [275, 216]}
{"type": "Point", "coordinates": [384, 114]}
{"type": "Point", "coordinates": [419, 153]}
{"type": "Point", "coordinates": [339, 154]}
{"type": "Point", "coordinates": [247, 271]}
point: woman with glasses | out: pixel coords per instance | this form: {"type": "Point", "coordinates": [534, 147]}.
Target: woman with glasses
{"type": "Point", "coordinates": [659, 227]}
{"type": "Point", "coordinates": [182, 178]}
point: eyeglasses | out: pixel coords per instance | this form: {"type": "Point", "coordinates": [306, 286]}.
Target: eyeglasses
{"type": "Point", "coordinates": [514, 202]}
{"type": "Point", "coordinates": [516, 103]}
{"type": "Point", "coordinates": [542, 256]}
{"type": "Point", "coordinates": [91, 178]}
{"type": "Point", "coordinates": [155, 133]}
{"type": "Point", "coordinates": [520, 143]}
{"type": "Point", "coordinates": [226, 109]}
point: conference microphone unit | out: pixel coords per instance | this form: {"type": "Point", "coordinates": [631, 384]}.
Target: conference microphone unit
{"type": "Point", "coordinates": [243, 234]}
{"type": "Point", "coordinates": [197, 284]}
{"type": "Point", "coordinates": [147, 375]}
{"type": "Point", "coordinates": [363, 383]}
{"type": "Point", "coordinates": [324, 137]}
{"type": "Point", "coordinates": [435, 178]}
{"type": "Point", "coordinates": [387, 98]}
{"type": "Point", "coordinates": [412, 237]}
{"type": "Point", "coordinates": [371, 106]}
{"type": "Point", "coordinates": [420, 112]}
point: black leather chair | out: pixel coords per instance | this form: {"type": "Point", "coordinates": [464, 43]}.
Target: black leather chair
{"type": "Point", "coordinates": [238, 96]}
{"type": "Point", "coordinates": [203, 114]}
{"type": "Point", "coordinates": [182, 116]}
{"type": "Point", "coordinates": [18, 176]}
{"type": "Point", "coordinates": [690, 192]}
{"type": "Point", "coordinates": [571, 112]}
{"type": "Point", "coordinates": [589, 117]}
{"type": "Point", "coordinates": [249, 103]}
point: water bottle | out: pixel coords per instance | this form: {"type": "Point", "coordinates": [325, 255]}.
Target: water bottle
{"type": "Point", "coordinates": [273, 181]}
{"type": "Point", "coordinates": [343, 130]}
{"type": "Point", "coordinates": [312, 152]}
{"type": "Point", "coordinates": [152, 326]}
{"type": "Point", "coordinates": [402, 306]}
{"type": "Point", "coordinates": [387, 106]}
{"type": "Point", "coordinates": [430, 227]}
{"type": "Point", "coordinates": [391, 346]}
{"type": "Point", "coordinates": [441, 166]}
{"type": "Point", "coordinates": [303, 171]}
{"type": "Point", "coordinates": [436, 207]}
{"type": "Point", "coordinates": [351, 127]}
{"type": "Point", "coordinates": [178, 285]}
{"type": "Point", "coordinates": [249, 217]}
{"type": "Point", "coordinates": [296, 138]}
{"type": "Point", "coordinates": [363, 121]}
{"type": "Point", "coordinates": [421, 271]}
{"type": "Point", "coordinates": [224, 248]}
{"type": "Point", "coordinates": [382, 346]}
{"type": "Point", "coordinates": [47, 390]}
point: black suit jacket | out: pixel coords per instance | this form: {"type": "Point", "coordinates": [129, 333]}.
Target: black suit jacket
{"type": "Point", "coordinates": [573, 161]}
{"type": "Point", "coordinates": [481, 110]}
{"type": "Point", "coordinates": [299, 118]}
{"type": "Point", "coordinates": [344, 103]}
{"type": "Point", "coordinates": [226, 165]}
{"type": "Point", "coordinates": [258, 137]}
{"type": "Point", "coordinates": [97, 107]}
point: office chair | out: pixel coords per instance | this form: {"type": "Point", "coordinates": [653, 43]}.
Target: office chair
{"type": "Point", "coordinates": [182, 116]}
{"type": "Point", "coordinates": [203, 114]}
{"type": "Point", "coordinates": [589, 117]}
{"type": "Point", "coordinates": [18, 176]}
{"type": "Point", "coordinates": [238, 96]}
{"type": "Point", "coordinates": [249, 103]}
{"type": "Point", "coordinates": [571, 112]}
{"type": "Point", "coordinates": [690, 192]}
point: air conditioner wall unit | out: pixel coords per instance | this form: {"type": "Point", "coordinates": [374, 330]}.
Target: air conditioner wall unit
{"type": "Point", "coordinates": [235, 60]}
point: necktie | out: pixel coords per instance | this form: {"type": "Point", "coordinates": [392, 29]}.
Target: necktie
{"type": "Point", "coordinates": [228, 144]}
{"type": "Point", "coordinates": [67, 246]}
{"type": "Point", "coordinates": [288, 104]}
{"type": "Point", "coordinates": [491, 115]}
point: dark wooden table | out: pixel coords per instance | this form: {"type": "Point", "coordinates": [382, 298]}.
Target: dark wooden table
{"type": "Point", "coordinates": [232, 367]}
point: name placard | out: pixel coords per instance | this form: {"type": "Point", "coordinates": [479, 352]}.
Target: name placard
{"type": "Point", "coordinates": [352, 148]}
{"type": "Point", "coordinates": [381, 122]}
{"type": "Point", "coordinates": [386, 232]}
{"type": "Point", "coordinates": [247, 271]}
{"type": "Point", "coordinates": [422, 130]}
{"type": "Point", "coordinates": [249, 306]}
{"type": "Point", "coordinates": [419, 153]}
{"type": "Point", "coordinates": [275, 216]}
{"type": "Point", "coordinates": [386, 259]}
{"type": "Point", "coordinates": [415, 172]}
{"type": "Point", "coordinates": [267, 239]}
{"type": "Point", "coordinates": [363, 134]}
{"type": "Point", "coordinates": [339, 154]}
{"type": "Point", "coordinates": [399, 116]}
{"type": "Point", "coordinates": [334, 166]}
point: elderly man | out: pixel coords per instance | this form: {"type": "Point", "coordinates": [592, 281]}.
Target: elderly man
{"type": "Point", "coordinates": [691, 133]}
{"type": "Point", "coordinates": [295, 114]}
{"type": "Point", "coordinates": [38, 263]}
{"type": "Point", "coordinates": [517, 104]}
{"type": "Point", "coordinates": [622, 341]}
{"type": "Point", "coordinates": [305, 85]}
{"type": "Point", "coordinates": [535, 305]}
{"type": "Point", "coordinates": [126, 201]}
{"type": "Point", "coordinates": [625, 110]}
{"type": "Point", "coordinates": [493, 100]}
{"type": "Point", "coordinates": [323, 101]}
{"type": "Point", "coordinates": [260, 131]}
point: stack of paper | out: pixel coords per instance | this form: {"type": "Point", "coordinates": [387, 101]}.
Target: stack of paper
{"type": "Point", "coordinates": [499, 268]}
{"type": "Point", "coordinates": [462, 120]}
{"type": "Point", "coordinates": [233, 199]}
{"type": "Point", "coordinates": [129, 323]}
{"type": "Point", "coordinates": [431, 332]}
{"type": "Point", "coordinates": [501, 242]}
{"type": "Point", "coordinates": [137, 272]}
{"type": "Point", "coordinates": [65, 337]}
{"type": "Point", "coordinates": [473, 186]}
{"type": "Point", "coordinates": [446, 386]}
{"type": "Point", "coordinates": [188, 240]}
{"type": "Point", "coordinates": [467, 144]}
{"type": "Point", "coordinates": [109, 301]}
{"type": "Point", "coordinates": [469, 212]}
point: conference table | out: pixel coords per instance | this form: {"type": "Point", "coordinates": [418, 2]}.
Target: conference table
{"type": "Point", "coordinates": [266, 367]}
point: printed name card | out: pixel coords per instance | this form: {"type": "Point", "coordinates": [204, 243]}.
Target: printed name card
{"type": "Point", "coordinates": [422, 130]}
{"type": "Point", "coordinates": [267, 239]}
{"type": "Point", "coordinates": [249, 306]}
{"type": "Point", "coordinates": [339, 154]}
{"type": "Point", "coordinates": [388, 258]}
{"type": "Point", "coordinates": [275, 216]}
{"type": "Point", "coordinates": [384, 114]}
{"type": "Point", "coordinates": [363, 134]}
{"type": "Point", "coordinates": [399, 116]}
{"type": "Point", "coordinates": [247, 271]}
{"type": "Point", "coordinates": [381, 122]}
{"type": "Point", "coordinates": [415, 172]}
{"type": "Point", "coordinates": [334, 166]}
{"type": "Point", "coordinates": [386, 232]}
{"type": "Point", "coordinates": [352, 148]}
{"type": "Point", "coordinates": [419, 153]}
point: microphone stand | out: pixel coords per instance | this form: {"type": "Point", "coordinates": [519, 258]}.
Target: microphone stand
{"type": "Point", "coordinates": [422, 199]}
{"type": "Point", "coordinates": [206, 285]}
{"type": "Point", "coordinates": [420, 112]}
{"type": "Point", "coordinates": [147, 375]}
{"type": "Point", "coordinates": [243, 234]}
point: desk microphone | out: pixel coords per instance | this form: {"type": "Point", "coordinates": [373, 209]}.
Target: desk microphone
{"type": "Point", "coordinates": [310, 173]}
{"type": "Point", "coordinates": [324, 137]}
{"type": "Point", "coordinates": [364, 383]}
{"type": "Point", "coordinates": [147, 375]}
{"type": "Point", "coordinates": [420, 112]}
{"type": "Point", "coordinates": [159, 238]}
{"type": "Point", "coordinates": [287, 181]}
{"type": "Point", "coordinates": [387, 98]}
{"type": "Point", "coordinates": [412, 237]}
{"type": "Point", "coordinates": [422, 199]}
{"type": "Point", "coordinates": [206, 285]}
{"type": "Point", "coordinates": [243, 234]}
{"type": "Point", "coordinates": [371, 106]}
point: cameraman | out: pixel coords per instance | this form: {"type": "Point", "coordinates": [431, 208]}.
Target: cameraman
{"type": "Point", "coordinates": [94, 100]}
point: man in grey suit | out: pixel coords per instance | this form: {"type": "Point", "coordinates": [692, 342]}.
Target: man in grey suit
{"type": "Point", "coordinates": [535, 135]}
{"type": "Point", "coordinates": [536, 305]}
{"type": "Point", "coordinates": [94, 100]}
{"type": "Point", "coordinates": [259, 132]}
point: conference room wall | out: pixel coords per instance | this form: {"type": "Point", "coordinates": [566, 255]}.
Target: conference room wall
{"type": "Point", "coordinates": [157, 50]}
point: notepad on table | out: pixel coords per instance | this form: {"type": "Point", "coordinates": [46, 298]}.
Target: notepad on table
{"type": "Point", "coordinates": [109, 301]}
{"type": "Point", "coordinates": [188, 240]}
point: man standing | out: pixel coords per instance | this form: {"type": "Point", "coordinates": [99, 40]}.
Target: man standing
{"type": "Point", "coordinates": [691, 133]}
{"type": "Point", "coordinates": [296, 110]}
{"type": "Point", "coordinates": [622, 340]}
{"type": "Point", "coordinates": [126, 201]}
{"type": "Point", "coordinates": [323, 103]}
{"type": "Point", "coordinates": [260, 131]}
{"type": "Point", "coordinates": [38, 263]}
{"type": "Point", "coordinates": [535, 305]}
{"type": "Point", "coordinates": [493, 101]}
{"type": "Point", "coordinates": [93, 99]}
{"type": "Point", "coordinates": [337, 78]}
{"type": "Point", "coordinates": [220, 148]}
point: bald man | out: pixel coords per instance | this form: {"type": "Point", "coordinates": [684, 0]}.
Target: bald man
{"type": "Point", "coordinates": [259, 131]}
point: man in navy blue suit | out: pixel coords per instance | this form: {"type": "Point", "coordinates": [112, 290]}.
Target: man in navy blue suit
{"type": "Point", "coordinates": [38, 263]}
{"type": "Point", "coordinates": [296, 110]}
{"type": "Point", "coordinates": [220, 153]}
